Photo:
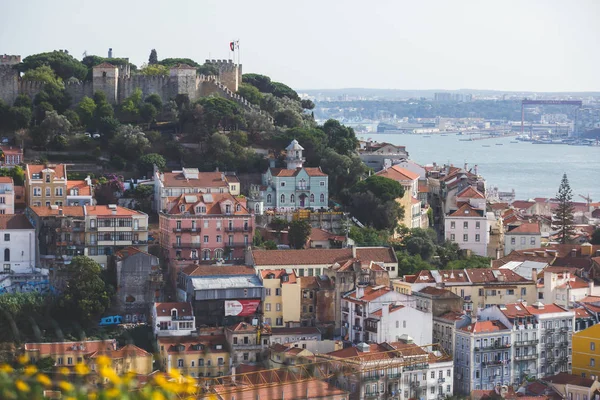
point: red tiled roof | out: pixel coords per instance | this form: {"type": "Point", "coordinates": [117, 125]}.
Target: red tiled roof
{"type": "Point", "coordinates": [498, 206]}
{"type": "Point", "coordinates": [312, 389]}
{"type": "Point", "coordinates": [11, 150]}
{"type": "Point", "coordinates": [321, 235]}
{"type": "Point", "coordinates": [60, 170]}
{"type": "Point", "coordinates": [590, 299]}
{"type": "Point", "coordinates": [423, 187]}
{"type": "Point", "coordinates": [564, 378]}
{"type": "Point", "coordinates": [467, 211]}
{"type": "Point", "coordinates": [183, 66]}
{"type": "Point", "coordinates": [575, 283]}
{"type": "Point", "coordinates": [398, 173]}
{"type": "Point", "coordinates": [211, 201]}
{"type": "Point", "coordinates": [434, 291]}
{"type": "Point", "coordinates": [484, 327]}
{"type": "Point", "coordinates": [514, 310]}
{"type": "Point", "coordinates": [242, 327]}
{"type": "Point", "coordinates": [452, 316]}
{"type": "Point", "coordinates": [391, 309]}
{"type": "Point", "coordinates": [19, 194]}
{"type": "Point", "coordinates": [172, 343]}
{"type": "Point", "coordinates": [128, 350]}
{"type": "Point", "coordinates": [84, 189]}
{"type": "Point", "coordinates": [547, 309]}
{"type": "Point", "coordinates": [164, 309]}
{"type": "Point", "coordinates": [6, 179]}
{"type": "Point", "coordinates": [104, 211]}
{"type": "Point", "coordinates": [470, 193]}
{"type": "Point", "coordinates": [424, 276]}
{"type": "Point", "coordinates": [370, 294]}
{"type": "Point", "coordinates": [215, 270]}
{"type": "Point", "coordinates": [526, 228]}
{"type": "Point", "coordinates": [582, 313]}
{"type": "Point", "coordinates": [278, 273]}
{"type": "Point", "coordinates": [205, 180]}
{"type": "Point", "coordinates": [82, 347]}
{"type": "Point", "coordinates": [522, 205]}
{"type": "Point", "coordinates": [483, 275]}
{"type": "Point", "coordinates": [68, 211]}
{"type": "Point", "coordinates": [284, 172]}
{"type": "Point", "coordinates": [14, 221]}
{"type": "Point", "coordinates": [322, 256]}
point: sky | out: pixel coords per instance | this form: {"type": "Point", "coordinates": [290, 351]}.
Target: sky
{"type": "Point", "coordinates": [510, 45]}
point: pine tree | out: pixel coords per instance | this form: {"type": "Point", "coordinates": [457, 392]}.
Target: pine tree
{"type": "Point", "coordinates": [153, 59]}
{"type": "Point", "coordinates": [563, 216]}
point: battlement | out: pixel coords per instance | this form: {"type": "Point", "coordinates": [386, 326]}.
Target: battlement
{"type": "Point", "coordinates": [224, 65]}
{"type": "Point", "coordinates": [6, 59]}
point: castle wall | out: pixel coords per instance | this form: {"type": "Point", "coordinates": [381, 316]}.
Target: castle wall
{"type": "Point", "coordinates": [160, 85]}
{"type": "Point", "coordinates": [29, 88]}
{"type": "Point", "coordinates": [79, 90]}
{"type": "Point", "coordinates": [9, 84]}
{"type": "Point", "coordinates": [230, 74]}
{"type": "Point", "coordinates": [105, 79]}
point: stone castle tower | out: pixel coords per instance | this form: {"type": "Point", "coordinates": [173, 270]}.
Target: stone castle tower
{"type": "Point", "coordinates": [105, 78]}
{"type": "Point", "coordinates": [230, 74]}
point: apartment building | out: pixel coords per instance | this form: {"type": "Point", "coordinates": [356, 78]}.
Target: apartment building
{"type": "Point", "coordinates": [482, 355]}
{"type": "Point", "coordinates": [110, 228]}
{"type": "Point", "coordinates": [46, 185]}
{"type": "Point", "coordinates": [206, 226]}
{"type": "Point", "coordinates": [393, 322]}
{"type": "Point", "coordinates": [282, 298]}
{"type": "Point", "coordinates": [7, 195]}
{"type": "Point", "coordinates": [526, 235]}
{"type": "Point", "coordinates": [469, 227]}
{"type": "Point", "coordinates": [173, 319]}
{"type": "Point", "coordinates": [10, 156]}
{"type": "Point", "coordinates": [245, 343]}
{"type": "Point", "coordinates": [586, 352]}
{"type": "Point", "coordinates": [67, 354]}
{"type": "Point", "coordinates": [191, 181]}
{"type": "Point", "coordinates": [196, 356]}
{"type": "Point", "coordinates": [444, 327]}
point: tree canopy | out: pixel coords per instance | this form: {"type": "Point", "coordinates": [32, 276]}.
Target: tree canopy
{"type": "Point", "coordinates": [299, 233]}
{"type": "Point", "coordinates": [62, 63]}
{"type": "Point", "coordinates": [563, 215]}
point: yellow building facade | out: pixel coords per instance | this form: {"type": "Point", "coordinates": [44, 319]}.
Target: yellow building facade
{"type": "Point", "coordinates": [282, 304]}
{"type": "Point", "coordinates": [586, 352]}
{"type": "Point", "coordinates": [46, 185]}
{"type": "Point", "coordinates": [195, 356]}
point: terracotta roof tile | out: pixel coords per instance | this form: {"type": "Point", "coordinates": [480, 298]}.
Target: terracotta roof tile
{"type": "Point", "coordinates": [12, 150]}
{"type": "Point", "coordinates": [208, 342]}
{"type": "Point", "coordinates": [398, 173]}
{"type": "Point", "coordinates": [104, 65]}
{"type": "Point", "coordinates": [564, 378]}
{"type": "Point", "coordinates": [278, 273]}
{"type": "Point", "coordinates": [164, 309]}
{"type": "Point", "coordinates": [312, 389]}
{"type": "Point", "coordinates": [299, 330]}
{"type": "Point", "coordinates": [482, 275]}
{"type": "Point", "coordinates": [370, 293]}
{"type": "Point", "coordinates": [211, 201]}
{"type": "Point", "coordinates": [68, 211]}
{"type": "Point", "coordinates": [82, 186]}
{"type": "Point", "coordinates": [391, 308]}
{"type": "Point", "coordinates": [470, 193]}
{"type": "Point", "coordinates": [105, 211]}
{"type": "Point", "coordinates": [205, 180]}
{"type": "Point", "coordinates": [452, 316]}
{"type": "Point", "coordinates": [321, 235]}
{"type": "Point", "coordinates": [485, 327]}
{"type": "Point", "coordinates": [284, 172]}
{"type": "Point", "coordinates": [547, 309]}
{"type": "Point", "coordinates": [14, 221]}
{"type": "Point", "coordinates": [6, 179]}
{"type": "Point", "coordinates": [82, 347]}
{"type": "Point", "coordinates": [60, 170]}
{"type": "Point", "coordinates": [467, 211]}
{"type": "Point", "coordinates": [522, 205]}
{"type": "Point", "coordinates": [527, 228]}
{"type": "Point", "coordinates": [216, 270]}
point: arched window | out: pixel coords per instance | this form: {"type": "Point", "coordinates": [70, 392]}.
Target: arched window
{"type": "Point", "coordinates": [6, 254]}
{"type": "Point", "coordinates": [282, 200]}
{"type": "Point", "coordinates": [218, 253]}
{"type": "Point", "coordinates": [269, 198]}
{"type": "Point", "coordinates": [181, 208]}
{"type": "Point", "coordinates": [322, 198]}
{"type": "Point", "coordinates": [238, 207]}
{"type": "Point", "coordinates": [312, 198]}
{"type": "Point", "coordinates": [292, 198]}
{"type": "Point", "coordinates": [194, 254]}
{"type": "Point", "coordinates": [206, 254]}
{"type": "Point", "coordinates": [257, 208]}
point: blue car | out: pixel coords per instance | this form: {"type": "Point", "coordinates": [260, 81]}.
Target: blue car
{"type": "Point", "coordinates": [114, 320]}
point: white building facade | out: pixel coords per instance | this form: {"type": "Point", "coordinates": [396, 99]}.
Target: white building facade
{"type": "Point", "coordinates": [173, 319]}
{"type": "Point", "coordinates": [469, 228]}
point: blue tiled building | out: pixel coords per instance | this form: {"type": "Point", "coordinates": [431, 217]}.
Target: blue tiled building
{"type": "Point", "coordinates": [291, 188]}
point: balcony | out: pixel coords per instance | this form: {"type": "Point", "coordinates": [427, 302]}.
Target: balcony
{"type": "Point", "coordinates": [415, 367]}
{"type": "Point", "coordinates": [372, 329]}
{"type": "Point", "coordinates": [182, 318]}
{"type": "Point", "coordinates": [137, 228]}
{"type": "Point", "coordinates": [374, 377]}
{"type": "Point", "coordinates": [549, 345]}
{"type": "Point", "coordinates": [359, 312]}
{"type": "Point", "coordinates": [497, 346]}
{"type": "Point", "coordinates": [303, 187]}
{"type": "Point", "coordinates": [549, 330]}
{"type": "Point", "coordinates": [527, 342]}
{"type": "Point", "coordinates": [441, 380]}
{"type": "Point", "coordinates": [415, 384]}
{"type": "Point", "coordinates": [357, 328]}
{"type": "Point", "coordinates": [139, 242]}
{"type": "Point", "coordinates": [564, 329]}
{"type": "Point", "coordinates": [491, 363]}
{"type": "Point", "coordinates": [526, 357]}
{"type": "Point", "coordinates": [237, 244]}
{"type": "Point", "coordinates": [345, 309]}
{"type": "Point", "coordinates": [237, 229]}
{"type": "Point", "coordinates": [563, 344]}
{"type": "Point", "coordinates": [550, 359]}
{"type": "Point", "coordinates": [186, 245]}
{"type": "Point", "coordinates": [186, 230]}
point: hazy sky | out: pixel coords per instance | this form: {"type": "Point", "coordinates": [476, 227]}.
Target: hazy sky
{"type": "Point", "coordinates": [537, 45]}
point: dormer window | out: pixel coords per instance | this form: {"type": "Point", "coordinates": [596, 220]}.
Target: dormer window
{"type": "Point", "coordinates": [200, 210]}
{"type": "Point", "coordinates": [228, 208]}
{"type": "Point", "coordinates": [181, 208]}
{"type": "Point", "coordinates": [238, 207]}
{"type": "Point", "coordinates": [47, 178]}
{"type": "Point", "coordinates": [174, 313]}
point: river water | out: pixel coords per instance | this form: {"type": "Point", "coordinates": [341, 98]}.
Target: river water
{"type": "Point", "coordinates": [533, 170]}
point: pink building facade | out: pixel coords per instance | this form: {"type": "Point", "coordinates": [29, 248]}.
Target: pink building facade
{"type": "Point", "coordinates": [206, 226]}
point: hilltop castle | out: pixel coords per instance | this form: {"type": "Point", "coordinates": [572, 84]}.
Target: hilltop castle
{"type": "Point", "coordinates": [118, 83]}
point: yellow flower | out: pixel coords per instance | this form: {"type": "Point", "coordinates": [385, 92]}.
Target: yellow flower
{"type": "Point", "coordinates": [175, 373]}
{"type": "Point", "coordinates": [81, 369]}
{"type": "Point", "coordinates": [92, 396]}
{"type": "Point", "coordinates": [21, 386]}
{"type": "Point", "coordinates": [23, 359]}
{"type": "Point", "coordinates": [6, 368]}
{"type": "Point", "coordinates": [190, 389]}
{"type": "Point", "coordinates": [110, 374]}
{"type": "Point", "coordinates": [66, 386]}
{"type": "Point", "coordinates": [64, 371]}
{"type": "Point", "coordinates": [103, 361]}
{"type": "Point", "coordinates": [160, 380]}
{"type": "Point", "coordinates": [157, 396]}
{"type": "Point", "coordinates": [30, 370]}
{"type": "Point", "coordinates": [44, 380]}
{"type": "Point", "coordinates": [113, 393]}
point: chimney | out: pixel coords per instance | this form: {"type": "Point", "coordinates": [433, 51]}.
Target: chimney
{"type": "Point", "coordinates": [353, 251]}
{"type": "Point", "coordinates": [60, 211]}
{"type": "Point", "coordinates": [110, 52]}
{"type": "Point", "coordinates": [586, 249]}
{"type": "Point", "coordinates": [591, 286]}
{"type": "Point", "coordinates": [534, 274]}
{"type": "Point", "coordinates": [574, 253]}
{"type": "Point", "coordinates": [475, 169]}
{"type": "Point", "coordinates": [466, 166]}
{"type": "Point", "coordinates": [360, 292]}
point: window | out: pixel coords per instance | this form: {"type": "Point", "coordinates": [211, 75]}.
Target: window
{"type": "Point", "coordinates": [37, 191]}
{"type": "Point", "coordinates": [592, 346]}
{"type": "Point", "coordinates": [522, 240]}
{"type": "Point", "coordinates": [292, 198]}
{"type": "Point", "coordinates": [452, 237]}
{"type": "Point", "coordinates": [279, 321]}
{"type": "Point", "coordinates": [268, 292]}
{"type": "Point", "coordinates": [466, 225]}
{"type": "Point", "coordinates": [465, 238]}
{"type": "Point", "coordinates": [180, 362]}
{"type": "Point", "coordinates": [477, 237]}
{"type": "Point", "coordinates": [322, 198]}
{"type": "Point", "coordinates": [282, 184]}
{"type": "Point", "coordinates": [532, 241]}
{"type": "Point", "coordinates": [267, 306]}
{"type": "Point", "coordinates": [6, 254]}
{"type": "Point", "coordinates": [523, 291]}
{"type": "Point", "coordinates": [235, 340]}
{"type": "Point", "coordinates": [277, 292]}
{"type": "Point", "coordinates": [205, 238]}
{"type": "Point", "coordinates": [58, 191]}
{"type": "Point", "coordinates": [322, 183]}
{"type": "Point", "coordinates": [592, 362]}
{"type": "Point", "coordinates": [7, 237]}
{"type": "Point", "coordinates": [452, 224]}
{"type": "Point", "coordinates": [513, 240]}
{"type": "Point", "coordinates": [219, 239]}
{"type": "Point", "coordinates": [312, 198]}
{"type": "Point", "coordinates": [477, 225]}
{"type": "Point", "coordinates": [246, 356]}
{"type": "Point", "coordinates": [47, 178]}
{"type": "Point", "coordinates": [282, 198]}
{"type": "Point", "coordinates": [269, 198]}
{"type": "Point", "coordinates": [47, 192]}
{"type": "Point", "coordinates": [278, 307]}
{"type": "Point", "coordinates": [6, 267]}
{"type": "Point", "coordinates": [510, 291]}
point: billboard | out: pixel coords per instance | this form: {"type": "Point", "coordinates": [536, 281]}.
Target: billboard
{"type": "Point", "coordinates": [241, 308]}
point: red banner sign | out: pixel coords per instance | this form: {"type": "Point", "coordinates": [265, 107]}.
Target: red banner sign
{"type": "Point", "coordinates": [241, 308]}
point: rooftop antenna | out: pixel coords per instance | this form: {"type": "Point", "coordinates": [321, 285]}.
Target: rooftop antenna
{"type": "Point", "coordinates": [84, 55]}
